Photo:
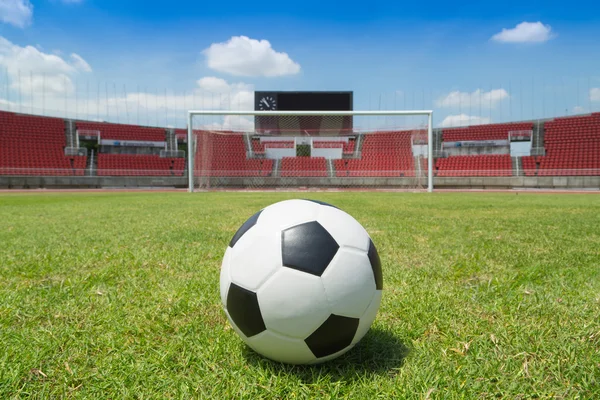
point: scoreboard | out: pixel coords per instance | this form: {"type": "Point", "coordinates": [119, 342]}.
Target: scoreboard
{"type": "Point", "coordinates": [303, 101]}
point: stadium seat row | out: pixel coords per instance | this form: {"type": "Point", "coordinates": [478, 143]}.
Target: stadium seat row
{"type": "Point", "coordinates": [32, 145]}
{"type": "Point", "coordinates": [572, 148]}
{"type": "Point", "coordinates": [139, 165]}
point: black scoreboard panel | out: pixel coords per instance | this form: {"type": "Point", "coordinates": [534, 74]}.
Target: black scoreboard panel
{"type": "Point", "coordinates": [317, 101]}
{"type": "Point", "coordinates": [304, 101]}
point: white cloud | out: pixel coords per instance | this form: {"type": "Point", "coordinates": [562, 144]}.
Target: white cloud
{"type": "Point", "coordinates": [218, 85]}
{"type": "Point", "coordinates": [8, 105]}
{"type": "Point", "coordinates": [525, 32]}
{"type": "Point", "coordinates": [217, 94]}
{"type": "Point", "coordinates": [45, 83]}
{"type": "Point", "coordinates": [143, 107]}
{"type": "Point", "coordinates": [210, 93]}
{"type": "Point", "coordinates": [16, 12]}
{"type": "Point", "coordinates": [242, 56]}
{"type": "Point", "coordinates": [229, 123]}
{"type": "Point", "coordinates": [595, 94]}
{"type": "Point", "coordinates": [30, 69]}
{"type": "Point", "coordinates": [463, 120]}
{"type": "Point", "coordinates": [80, 64]}
{"type": "Point", "coordinates": [478, 98]}
{"type": "Point", "coordinates": [232, 96]}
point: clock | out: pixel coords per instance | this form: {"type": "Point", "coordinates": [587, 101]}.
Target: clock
{"type": "Point", "coordinates": [267, 103]}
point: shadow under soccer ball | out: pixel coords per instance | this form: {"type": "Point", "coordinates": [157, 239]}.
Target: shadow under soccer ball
{"type": "Point", "coordinates": [379, 352]}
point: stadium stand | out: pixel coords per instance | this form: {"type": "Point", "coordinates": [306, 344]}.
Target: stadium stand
{"type": "Point", "coordinates": [35, 146]}
{"type": "Point", "coordinates": [225, 155]}
{"type": "Point", "coordinates": [128, 164]}
{"type": "Point", "coordinates": [484, 132]}
{"type": "Point", "coordinates": [304, 166]}
{"type": "Point", "coordinates": [282, 144]}
{"type": "Point", "coordinates": [328, 145]}
{"type": "Point", "coordinates": [31, 145]}
{"type": "Point", "coordinates": [572, 148]}
{"type": "Point", "coordinates": [181, 134]}
{"type": "Point", "coordinates": [139, 165]}
{"type": "Point", "coordinates": [529, 165]}
{"type": "Point", "coordinates": [385, 154]}
{"type": "Point", "coordinates": [479, 165]}
{"type": "Point", "coordinates": [124, 132]}
{"type": "Point", "coordinates": [257, 146]}
{"type": "Point", "coordinates": [349, 147]}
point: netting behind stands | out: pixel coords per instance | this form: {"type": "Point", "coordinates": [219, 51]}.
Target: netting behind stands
{"type": "Point", "coordinates": [297, 151]}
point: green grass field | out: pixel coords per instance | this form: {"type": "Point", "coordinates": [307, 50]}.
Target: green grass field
{"type": "Point", "coordinates": [115, 295]}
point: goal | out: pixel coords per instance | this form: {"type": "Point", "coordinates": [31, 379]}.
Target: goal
{"type": "Point", "coordinates": [309, 149]}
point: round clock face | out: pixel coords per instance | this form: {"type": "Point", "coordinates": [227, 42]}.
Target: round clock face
{"type": "Point", "coordinates": [267, 103]}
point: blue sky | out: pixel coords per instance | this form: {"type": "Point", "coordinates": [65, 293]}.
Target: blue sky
{"type": "Point", "coordinates": [452, 57]}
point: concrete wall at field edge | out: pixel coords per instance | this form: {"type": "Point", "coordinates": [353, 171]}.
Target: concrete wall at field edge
{"type": "Point", "coordinates": [89, 182]}
{"type": "Point", "coordinates": [82, 182]}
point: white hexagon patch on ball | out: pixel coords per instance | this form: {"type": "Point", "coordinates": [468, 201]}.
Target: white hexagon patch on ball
{"type": "Point", "coordinates": [301, 282]}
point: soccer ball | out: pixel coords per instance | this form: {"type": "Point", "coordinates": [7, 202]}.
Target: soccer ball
{"type": "Point", "coordinates": [301, 282]}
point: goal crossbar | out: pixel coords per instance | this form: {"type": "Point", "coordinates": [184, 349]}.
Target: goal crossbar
{"type": "Point", "coordinates": [428, 113]}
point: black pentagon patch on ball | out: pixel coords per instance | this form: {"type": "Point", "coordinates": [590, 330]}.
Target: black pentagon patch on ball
{"type": "Point", "coordinates": [376, 265]}
{"type": "Point", "coordinates": [334, 335]}
{"type": "Point", "coordinates": [244, 228]}
{"type": "Point", "coordinates": [321, 203]}
{"type": "Point", "coordinates": [308, 247]}
{"type": "Point", "coordinates": [243, 308]}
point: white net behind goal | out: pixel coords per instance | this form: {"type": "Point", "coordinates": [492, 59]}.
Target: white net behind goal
{"type": "Point", "coordinates": [271, 150]}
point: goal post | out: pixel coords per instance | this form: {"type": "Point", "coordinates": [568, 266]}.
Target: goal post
{"type": "Point", "coordinates": [306, 148]}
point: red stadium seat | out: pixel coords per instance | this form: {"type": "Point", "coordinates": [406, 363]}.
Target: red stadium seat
{"type": "Point", "coordinates": [478, 165]}
{"type": "Point", "coordinates": [139, 165]}
{"type": "Point", "coordinates": [384, 154]}
{"type": "Point", "coordinates": [484, 132]}
{"type": "Point", "coordinates": [34, 145]}
{"type": "Point", "coordinates": [303, 166]}
{"type": "Point", "coordinates": [225, 155]}
{"type": "Point", "coordinates": [572, 147]}
{"type": "Point", "coordinates": [124, 132]}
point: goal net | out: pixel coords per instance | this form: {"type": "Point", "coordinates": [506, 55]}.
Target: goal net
{"type": "Point", "coordinates": [309, 149]}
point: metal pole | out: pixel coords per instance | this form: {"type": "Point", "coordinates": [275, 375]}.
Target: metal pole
{"type": "Point", "coordinates": [8, 91]}
{"type": "Point", "coordinates": [147, 112]}
{"type": "Point", "coordinates": [589, 92]}
{"type": "Point", "coordinates": [76, 101]}
{"type": "Point", "coordinates": [190, 155]}
{"type": "Point", "coordinates": [156, 104]}
{"type": "Point", "coordinates": [31, 84]}
{"type": "Point", "coordinates": [116, 102]}
{"type": "Point", "coordinates": [87, 101]}
{"type": "Point", "coordinates": [430, 158]}
{"type": "Point", "coordinates": [20, 94]}
{"type": "Point", "coordinates": [98, 102]}
{"type": "Point", "coordinates": [66, 96]}
{"type": "Point", "coordinates": [126, 99]}
{"type": "Point", "coordinates": [106, 91]}
{"type": "Point", "coordinates": [166, 109]}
